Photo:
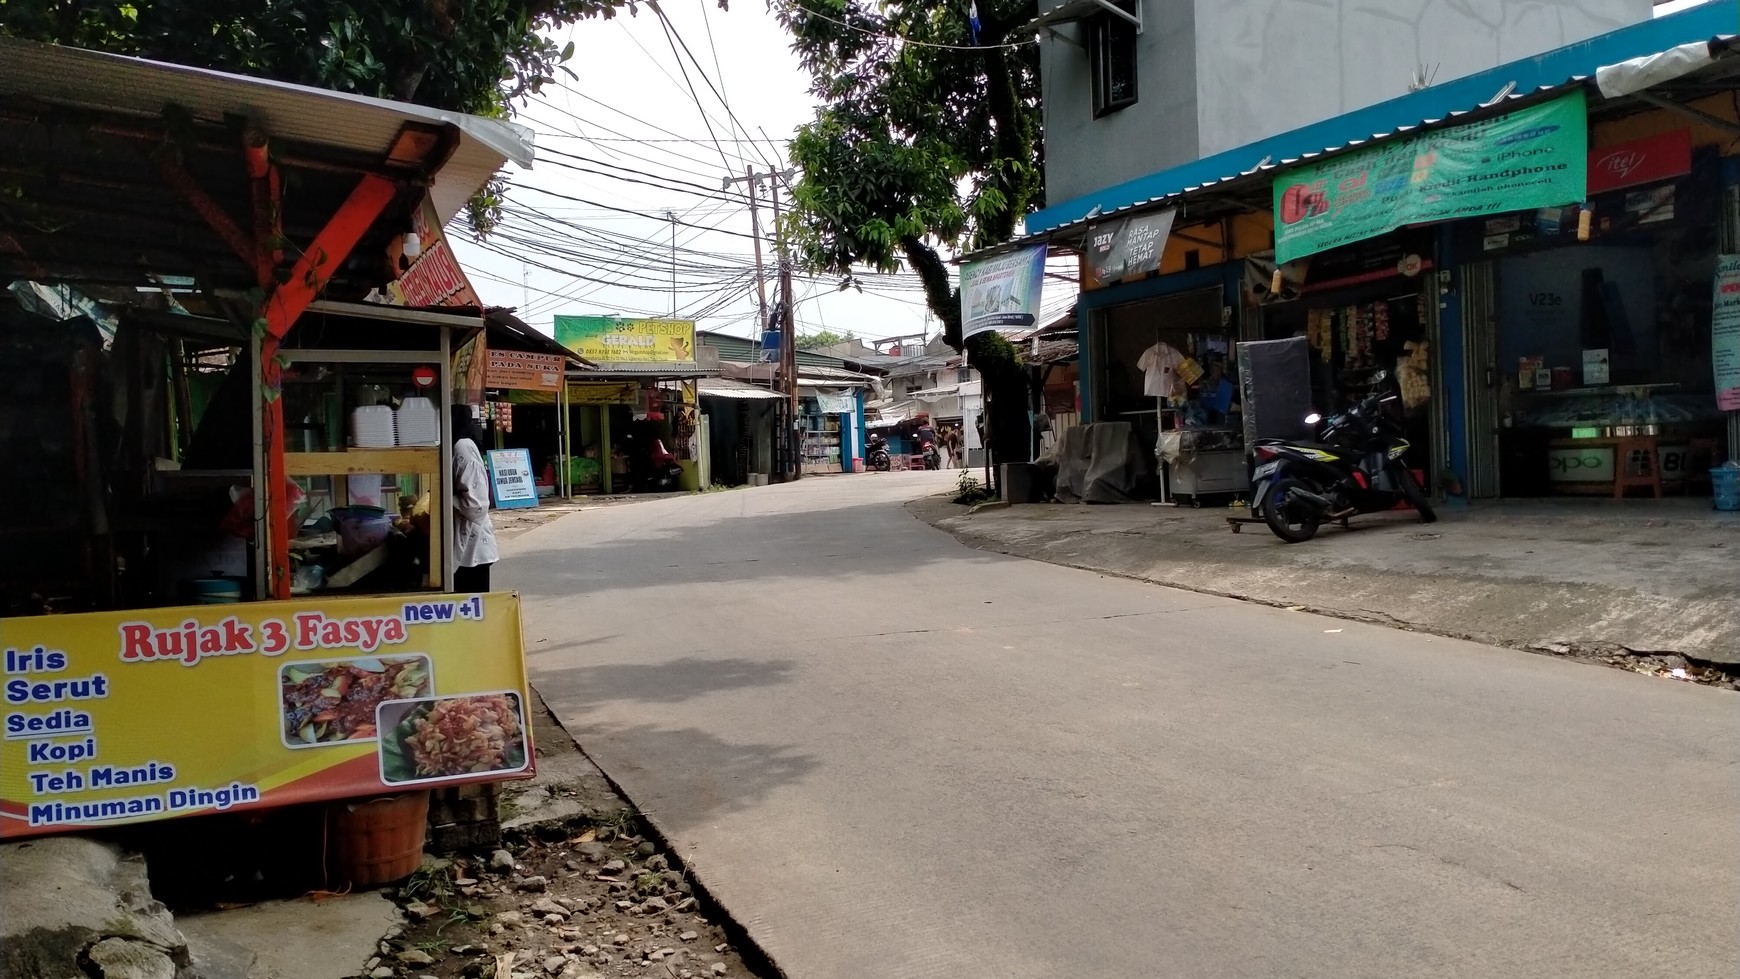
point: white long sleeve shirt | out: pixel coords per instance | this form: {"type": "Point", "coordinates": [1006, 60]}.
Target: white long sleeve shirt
{"type": "Point", "coordinates": [473, 533]}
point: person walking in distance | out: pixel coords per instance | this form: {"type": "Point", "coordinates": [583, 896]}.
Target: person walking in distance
{"type": "Point", "coordinates": [474, 549]}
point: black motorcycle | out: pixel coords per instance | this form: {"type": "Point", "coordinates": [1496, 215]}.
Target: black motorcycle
{"type": "Point", "coordinates": [878, 458]}
{"type": "Point", "coordinates": [1355, 468]}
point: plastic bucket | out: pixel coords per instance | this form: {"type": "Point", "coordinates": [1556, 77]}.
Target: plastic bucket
{"type": "Point", "coordinates": [376, 841]}
{"type": "Point", "coordinates": [1725, 488]}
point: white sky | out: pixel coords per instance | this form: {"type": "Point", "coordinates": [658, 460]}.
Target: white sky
{"type": "Point", "coordinates": [632, 109]}
{"type": "Point", "coordinates": [1676, 6]}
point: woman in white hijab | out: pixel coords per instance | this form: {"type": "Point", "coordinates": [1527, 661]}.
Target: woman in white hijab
{"type": "Point", "coordinates": [473, 533]}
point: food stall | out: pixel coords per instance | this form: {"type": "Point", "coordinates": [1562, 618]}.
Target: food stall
{"type": "Point", "coordinates": [237, 327]}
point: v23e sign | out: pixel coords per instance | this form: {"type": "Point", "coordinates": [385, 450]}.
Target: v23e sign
{"type": "Point", "coordinates": [1531, 158]}
{"type": "Point", "coordinates": [127, 717]}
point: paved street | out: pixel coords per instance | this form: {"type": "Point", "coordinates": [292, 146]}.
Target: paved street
{"type": "Point", "coordinates": [893, 756]}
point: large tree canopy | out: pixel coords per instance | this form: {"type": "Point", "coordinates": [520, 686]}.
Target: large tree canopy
{"type": "Point", "coordinates": [467, 55]}
{"type": "Point", "coordinates": [927, 142]}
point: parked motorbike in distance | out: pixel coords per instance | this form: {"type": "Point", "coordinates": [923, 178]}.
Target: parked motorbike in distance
{"type": "Point", "coordinates": [1355, 468]}
{"type": "Point", "coordinates": [932, 457]}
{"type": "Point", "coordinates": [877, 456]}
{"type": "Point", "coordinates": [663, 473]}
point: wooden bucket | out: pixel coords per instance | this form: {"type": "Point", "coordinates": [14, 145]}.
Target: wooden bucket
{"type": "Point", "coordinates": [376, 841]}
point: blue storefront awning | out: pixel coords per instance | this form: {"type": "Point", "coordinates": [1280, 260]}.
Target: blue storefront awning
{"type": "Point", "coordinates": [1557, 69]}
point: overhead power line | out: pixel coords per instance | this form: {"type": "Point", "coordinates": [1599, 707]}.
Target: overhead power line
{"type": "Point", "coordinates": [905, 40]}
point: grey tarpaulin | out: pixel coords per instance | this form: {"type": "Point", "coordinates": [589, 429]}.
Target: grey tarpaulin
{"type": "Point", "coordinates": [1103, 462]}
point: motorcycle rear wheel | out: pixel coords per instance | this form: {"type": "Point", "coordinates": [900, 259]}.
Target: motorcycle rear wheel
{"type": "Point", "coordinates": [1291, 520]}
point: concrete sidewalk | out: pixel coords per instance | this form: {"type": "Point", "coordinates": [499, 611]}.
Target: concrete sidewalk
{"type": "Point", "coordinates": [1567, 576]}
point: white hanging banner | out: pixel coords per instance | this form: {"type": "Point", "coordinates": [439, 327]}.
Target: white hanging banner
{"type": "Point", "coordinates": [1002, 293]}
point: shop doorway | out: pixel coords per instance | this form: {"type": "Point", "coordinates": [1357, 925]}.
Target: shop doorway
{"type": "Point", "coordinates": [1194, 324]}
{"type": "Point", "coordinates": [1366, 336]}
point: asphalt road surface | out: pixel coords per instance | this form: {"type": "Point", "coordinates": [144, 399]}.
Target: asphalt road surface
{"type": "Point", "coordinates": [892, 756]}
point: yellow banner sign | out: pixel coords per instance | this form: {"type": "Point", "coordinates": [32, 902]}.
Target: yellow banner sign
{"type": "Point", "coordinates": [521, 371]}
{"type": "Point", "coordinates": [125, 717]}
{"type": "Point", "coordinates": [614, 340]}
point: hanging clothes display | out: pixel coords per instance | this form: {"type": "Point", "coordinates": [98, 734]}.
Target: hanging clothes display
{"type": "Point", "coordinates": [1159, 365]}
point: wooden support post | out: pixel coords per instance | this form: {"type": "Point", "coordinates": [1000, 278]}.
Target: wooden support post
{"type": "Point", "coordinates": [268, 212]}
{"type": "Point", "coordinates": [606, 454]}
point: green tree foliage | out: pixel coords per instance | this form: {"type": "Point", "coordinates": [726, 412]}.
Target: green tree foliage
{"type": "Point", "coordinates": [824, 338]}
{"type": "Point", "coordinates": [468, 55]}
{"type": "Point", "coordinates": [918, 151]}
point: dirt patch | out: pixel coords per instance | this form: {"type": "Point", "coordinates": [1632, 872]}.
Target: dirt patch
{"type": "Point", "coordinates": [582, 889]}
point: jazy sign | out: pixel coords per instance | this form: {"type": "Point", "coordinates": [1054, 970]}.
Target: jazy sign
{"type": "Point", "coordinates": [296, 702]}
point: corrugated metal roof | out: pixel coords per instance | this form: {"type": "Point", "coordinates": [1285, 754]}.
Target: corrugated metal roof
{"type": "Point", "coordinates": [725, 387]}
{"type": "Point", "coordinates": [1438, 104]}
{"type": "Point", "coordinates": [317, 117]}
{"type": "Point", "coordinates": [504, 324]}
{"type": "Point", "coordinates": [744, 349]}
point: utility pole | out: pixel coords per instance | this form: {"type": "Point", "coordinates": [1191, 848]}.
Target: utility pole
{"type": "Point", "coordinates": [754, 180]}
{"type": "Point", "coordinates": [672, 217]}
{"type": "Point", "coordinates": [788, 340]}
{"type": "Point", "coordinates": [755, 228]}
{"type": "Point", "coordinates": [787, 368]}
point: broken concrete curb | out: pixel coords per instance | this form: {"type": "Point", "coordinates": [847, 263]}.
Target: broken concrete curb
{"type": "Point", "coordinates": [74, 908]}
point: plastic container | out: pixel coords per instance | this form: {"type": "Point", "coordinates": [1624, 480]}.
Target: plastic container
{"type": "Point", "coordinates": [371, 842]}
{"type": "Point", "coordinates": [1725, 487]}
{"type": "Point", "coordinates": [213, 591]}
{"type": "Point", "coordinates": [361, 529]}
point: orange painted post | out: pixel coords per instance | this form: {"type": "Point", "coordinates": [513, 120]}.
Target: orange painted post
{"type": "Point", "coordinates": [307, 278]}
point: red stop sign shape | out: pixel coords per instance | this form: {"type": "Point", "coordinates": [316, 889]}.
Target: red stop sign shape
{"type": "Point", "coordinates": [423, 376]}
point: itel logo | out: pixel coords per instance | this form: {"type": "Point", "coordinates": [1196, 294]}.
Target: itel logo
{"type": "Point", "coordinates": [1621, 164]}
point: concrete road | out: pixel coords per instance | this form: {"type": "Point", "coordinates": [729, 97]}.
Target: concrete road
{"type": "Point", "coordinates": [892, 756]}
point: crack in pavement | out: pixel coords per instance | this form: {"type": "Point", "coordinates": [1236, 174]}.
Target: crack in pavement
{"type": "Point", "coordinates": [1005, 626]}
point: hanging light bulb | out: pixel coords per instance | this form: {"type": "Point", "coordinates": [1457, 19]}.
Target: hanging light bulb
{"type": "Point", "coordinates": [411, 244]}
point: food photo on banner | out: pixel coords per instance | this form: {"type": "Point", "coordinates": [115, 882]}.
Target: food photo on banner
{"type": "Point", "coordinates": [299, 702]}
{"type": "Point", "coordinates": [1531, 158]}
{"type": "Point", "coordinates": [1002, 293]}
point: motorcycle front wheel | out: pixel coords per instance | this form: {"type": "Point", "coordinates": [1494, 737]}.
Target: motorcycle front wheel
{"type": "Point", "coordinates": [1416, 497]}
{"type": "Point", "coordinates": [1291, 519]}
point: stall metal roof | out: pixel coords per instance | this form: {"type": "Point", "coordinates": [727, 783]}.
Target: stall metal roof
{"type": "Point", "coordinates": [116, 84]}
{"type": "Point", "coordinates": [132, 173]}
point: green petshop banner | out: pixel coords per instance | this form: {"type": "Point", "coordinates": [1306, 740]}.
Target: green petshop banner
{"type": "Point", "coordinates": [1534, 157]}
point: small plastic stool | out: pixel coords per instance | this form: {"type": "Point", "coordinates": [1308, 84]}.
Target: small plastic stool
{"type": "Point", "coordinates": [1639, 454]}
